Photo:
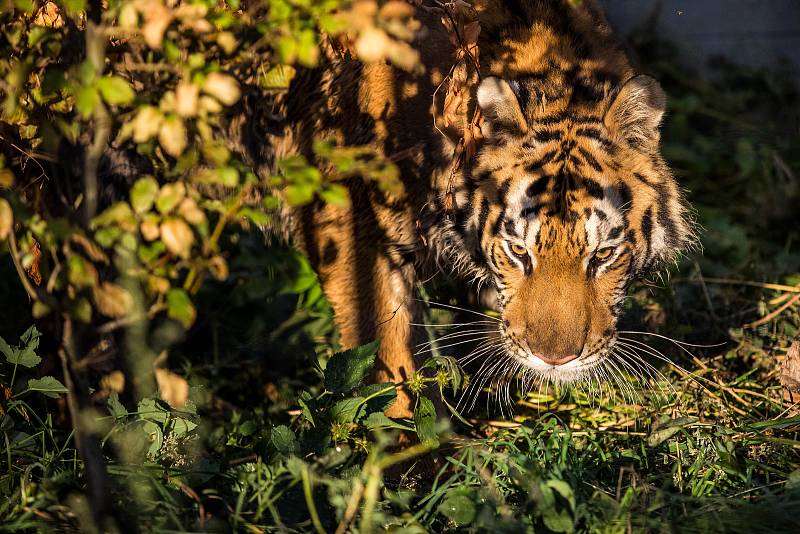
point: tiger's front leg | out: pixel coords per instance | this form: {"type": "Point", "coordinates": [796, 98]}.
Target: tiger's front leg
{"type": "Point", "coordinates": [369, 286]}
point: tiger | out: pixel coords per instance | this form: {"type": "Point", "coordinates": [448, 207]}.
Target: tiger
{"type": "Point", "coordinates": [563, 204]}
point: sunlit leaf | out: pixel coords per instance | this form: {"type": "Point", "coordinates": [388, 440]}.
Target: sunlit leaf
{"type": "Point", "coordinates": [222, 87]}
{"type": "Point", "coordinates": [115, 90]}
{"type": "Point", "coordinates": [177, 236]}
{"type": "Point", "coordinates": [346, 370]}
{"type": "Point", "coordinates": [143, 194]}
{"type": "Point", "coordinates": [180, 307]}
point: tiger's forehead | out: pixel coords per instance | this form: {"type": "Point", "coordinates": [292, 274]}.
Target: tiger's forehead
{"type": "Point", "coordinates": [557, 187]}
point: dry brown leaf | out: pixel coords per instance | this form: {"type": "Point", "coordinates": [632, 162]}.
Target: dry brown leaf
{"type": "Point", "coordinates": [49, 15]}
{"type": "Point", "coordinates": [113, 382]}
{"type": "Point", "coordinates": [32, 268]}
{"type": "Point", "coordinates": [6, 219]}
{"type": "Point", "coordinates": [173, 388]}
{"type": "Point", "coordinates": [157, 18]}
{"type": "Point", "coordinates": [790, 376]}
{"type": "Point", "coordinates": [92, 249]}
{"type": "Point", "coordinates": [113, 300]}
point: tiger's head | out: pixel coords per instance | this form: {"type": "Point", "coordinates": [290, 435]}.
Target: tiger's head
{"type": "Point", "coordinates": [568, 203]}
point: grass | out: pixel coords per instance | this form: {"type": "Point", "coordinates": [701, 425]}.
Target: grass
{"type": "Point", "coordinates": [271, 442]}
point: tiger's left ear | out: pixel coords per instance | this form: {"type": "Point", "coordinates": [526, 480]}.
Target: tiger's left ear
{"type": "Point", "coordinates": [636, 112]}
{"type": "Point", "coordinates": [500, 106]}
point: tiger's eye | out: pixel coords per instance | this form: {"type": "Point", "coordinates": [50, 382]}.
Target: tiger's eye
{"type": "Point", "coordinates": [519, 250]}
{"type": "Point", "coordinates": [604, 253]}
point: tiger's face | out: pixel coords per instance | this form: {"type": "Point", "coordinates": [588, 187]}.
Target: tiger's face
{"type": "Point", "coordinates": [570, 204]}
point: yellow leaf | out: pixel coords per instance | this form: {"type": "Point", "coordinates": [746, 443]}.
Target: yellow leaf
{"type": "Point", "coordinates": [173, 388]}
{"type": "Point", "coordinates": [372, 45]}
{"type": "Point", "coordinates": [191, 212]}
{"type": "Point", "coordinates": [113, 381]}
{"type": "Point", "coordinates": [177, 236]}
{"type": "Point", "coordinates": [146, 123]}
{"type": "Point", "coordinates": [157, 18]}
{"type": "Point", "coordinates": [172, 136]}
{"type": "Point", "coordinates": [6, 219]}
{"type": "Point", "coordinates": [149, 229]}
{"type": "Point", "coordinates": [186, 97]}
{"type": "Point", "coordinates": [113, 300]}
{"type": "Point", "coordinates": [222, 87]}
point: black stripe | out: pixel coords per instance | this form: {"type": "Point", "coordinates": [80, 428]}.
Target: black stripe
{"type": "Point", "coordinates": [647, 230]}
{"type": "Point", "coordinates": [543, 136]}
{"type": "Point", "coordinates": [664, 219]}
{"type": "Point", "coordinates": [502, 191]}
{"type": "Point", "coordinates": [535, 209]}
{"type": "Point", "coordinates": [497, 223]}
{"type": "Point", "coordinates": [593, 188]}
{"type": "Point", "coordinates": [597, 135]}
{"type": "Point", "coordinates": [593, 163]}
{"type": "Point", "coordinates": [538, 186]}
{"type": "Point", "coordinates": [546, 158]}
{"type": "Point", "coordinates": [626, 197]}
{"type": "Point", "coordinates": [484, 215]}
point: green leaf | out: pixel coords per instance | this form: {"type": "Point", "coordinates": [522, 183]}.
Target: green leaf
{"type": "Point", "coordinates": [86, 99]}
{"type": "Point", "coordinates": [563, 489]}
{"type": "Point", "coordinates": [384, 396]}
{"type": "Point", "coordinates": [460, 509]}
{"type": "Point", "coordinates": [337, 195]}
{"type": "Point", "coordinates": [377, 420]}
{"type": "Point", "coordinates": [115, 90]}
{"type": "Point", "coordinates": [347, 410]}
{"type": "Point", "coordinates": [143, 194]}
{"type": "Point", "coordinates": [256, 217]}
{"type": "Point", "coordinates": [169, 196]}
{"type": "Point", "coordinates": [180, 307]}
{"type": "Point", "coordinates": [558, 521]}
{"type": "Point", "coordinates": [47, 386]}
{"type": "Point", "coordinates": [156, 437]}
{"type": "Point", "coordinates": [150, 410]}
{"type": "Point", "coordinates": [75, 6]}
{"type": "Point", "coordinates": [308, 404]}
{"type": "Point", "coordinates": [664, 430]}
{"type": "Point", "coordinates": [182, 426]}
{"type": "Point", "coordinates": [6, 349]}
{"type": "Point", "coordinates": [115, 407]}
{"type": "Point", "coordinates": [299, 195]}
{"type": "Point", "coordinates": [283, 439]}
{"type": "Point", "coordinates": [425, 422]}
{"type": "Point", "coordinates": [119, 213]}
{"type": "Point", "coordinates": [347, 369]}
{"type": "Point", "coordinates": [25, 356]}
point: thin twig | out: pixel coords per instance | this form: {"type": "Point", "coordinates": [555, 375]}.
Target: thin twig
{"type": "Point", "coordinates": [773, 314]}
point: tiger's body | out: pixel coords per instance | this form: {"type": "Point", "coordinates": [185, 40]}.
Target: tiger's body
{"type": "Point", "coordinates": [566, 201]}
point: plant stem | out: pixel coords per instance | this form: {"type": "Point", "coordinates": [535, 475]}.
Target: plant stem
{"type": "Point", "coordinates": [312, 508]}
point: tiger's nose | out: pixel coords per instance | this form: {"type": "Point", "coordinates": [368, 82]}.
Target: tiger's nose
{"type": "Point", "coordinates": [556, 360]}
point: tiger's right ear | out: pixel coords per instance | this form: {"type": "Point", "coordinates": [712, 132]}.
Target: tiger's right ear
{"type": "Point", "coordinates": [500, 106]}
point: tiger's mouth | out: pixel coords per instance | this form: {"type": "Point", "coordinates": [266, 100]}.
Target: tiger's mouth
{"type": "Point", "coordinates": [569, 370]}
